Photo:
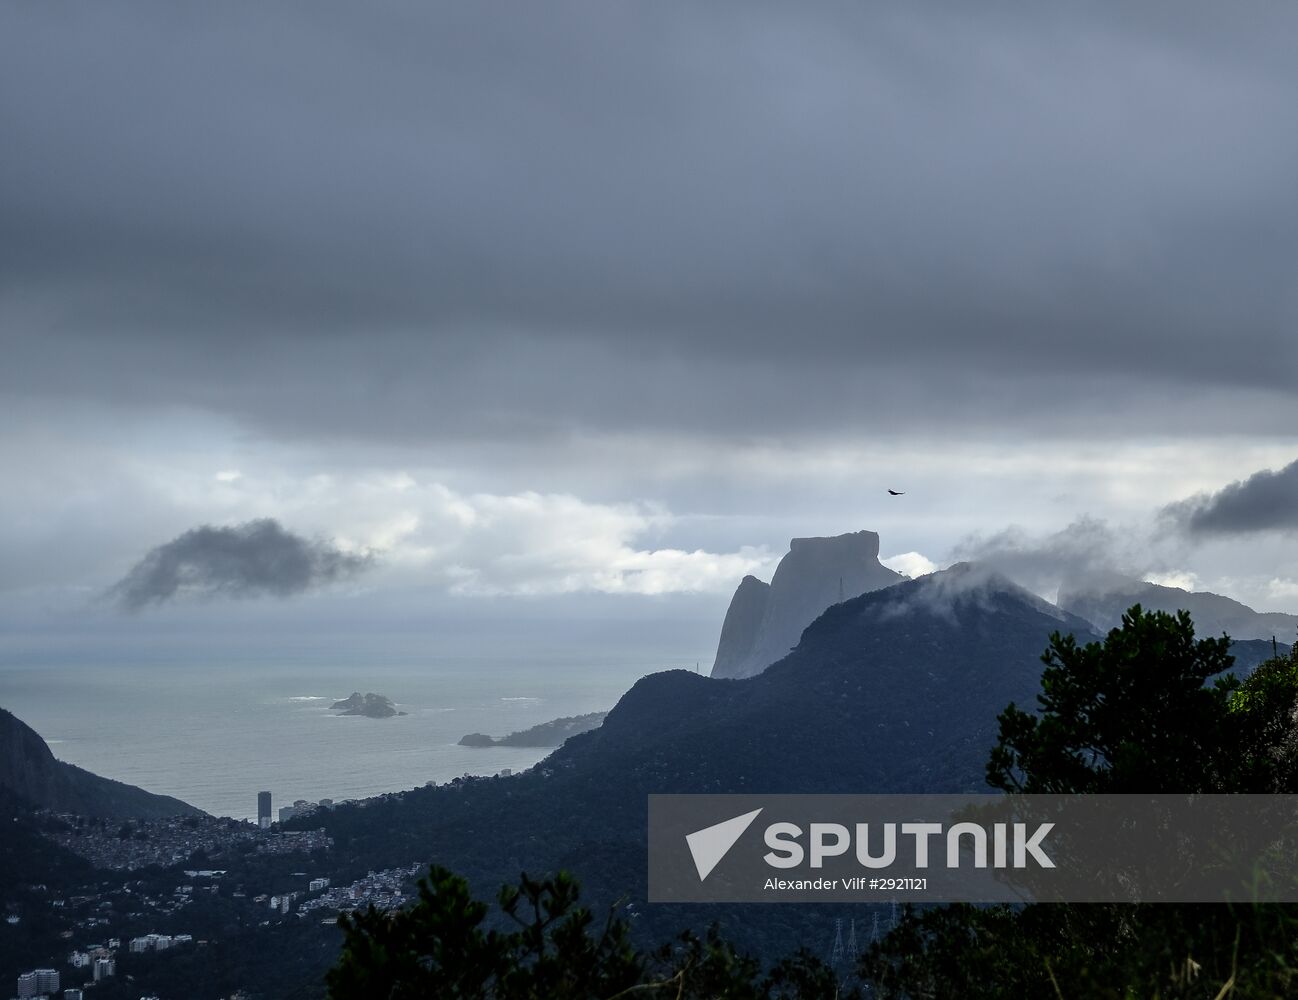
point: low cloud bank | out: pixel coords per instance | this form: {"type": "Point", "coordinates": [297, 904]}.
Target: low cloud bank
{"type": "Point", "coordinates": [258, 558]}
{"type": "Point", "coordinates": [1265, 501]}
{"type": "Point", "coordinates": [1089, 550]}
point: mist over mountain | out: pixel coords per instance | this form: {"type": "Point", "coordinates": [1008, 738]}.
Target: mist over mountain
{"type": "Point", "coordinates": [31, 772]}
{"type": "Point", "coordinates": [1103, 601]}
{"type": "Point", "coordinates": [765, 621]}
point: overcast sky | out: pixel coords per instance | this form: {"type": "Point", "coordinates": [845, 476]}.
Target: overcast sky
{"type": "Point", "coordinates": [520, 306]}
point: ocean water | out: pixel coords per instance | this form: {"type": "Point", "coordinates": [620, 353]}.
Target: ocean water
{"type": "Point", "coordinates": [217, 734]}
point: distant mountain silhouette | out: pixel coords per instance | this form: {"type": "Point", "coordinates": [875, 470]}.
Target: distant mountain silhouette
{"type": "Point", "coordinates": [546, 734]}
{"type": "Point", "coordinates": [897, 689]}
{"type": "Point", "coordinates": [1103, 603]}
{"type": "Point", "coordinates": [29, 771]}
{"type": "Point", "coordinates": [765, 621]}
{"type": "Point", "coordinates": [736, 650]}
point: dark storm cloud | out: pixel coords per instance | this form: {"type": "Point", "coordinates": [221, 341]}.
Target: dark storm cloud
{"type": "Point", "coordinates": [1265, 501]}
{"type": "Point", "coordinates": [250, 560]}
{"type": "Point", "coordinates": [424, 219]}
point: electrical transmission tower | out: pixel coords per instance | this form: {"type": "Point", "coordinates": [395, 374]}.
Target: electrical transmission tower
{"type": "Point", "coordinates": [836, 953]}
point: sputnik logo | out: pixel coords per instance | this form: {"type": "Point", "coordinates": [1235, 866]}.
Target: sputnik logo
{"type": "Point", "coordinates": [709, 845]}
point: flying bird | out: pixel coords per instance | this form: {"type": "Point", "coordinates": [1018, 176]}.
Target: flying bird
{"type": "Point", "coordinates": [894, 493]}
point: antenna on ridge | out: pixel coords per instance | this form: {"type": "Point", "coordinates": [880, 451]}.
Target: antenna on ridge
{"type": "Point", "coordinates": [836, 953]}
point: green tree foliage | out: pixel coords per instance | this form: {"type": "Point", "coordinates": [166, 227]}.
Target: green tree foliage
{"type": "Point", "coordinates": [550, 948]}
{"type": "Point", "coordinates": [1146, 711]}
{"type": "Point", "coordinates": [1265, 709]}
{"type": "Point", "coordinates": [1134, 713]}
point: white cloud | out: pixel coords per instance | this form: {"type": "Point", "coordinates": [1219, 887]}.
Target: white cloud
{"type": "Point", "coordinates": [477, 544]}
{"type": "Point", "coordinates": [91, 490]}
{"type": "Point", "coordinates": [1283, 589]}
{"type": "Point", "coordinates": [534, 543]}
{"type": "Point", "coordinates": [912, 564]}
{"type": "Point", "coordinates": [1184, 579]}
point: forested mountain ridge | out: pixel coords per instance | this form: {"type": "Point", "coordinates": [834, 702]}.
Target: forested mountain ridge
{"type": "Point", "coordinates": [30, 771]}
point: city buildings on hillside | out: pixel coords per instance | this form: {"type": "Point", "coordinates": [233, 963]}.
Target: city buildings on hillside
{"type": "Point", "coordinates": [38, 982]}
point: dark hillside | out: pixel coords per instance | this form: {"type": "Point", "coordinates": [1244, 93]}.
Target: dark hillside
{"type": "Point", "coordinates": [31, 772]}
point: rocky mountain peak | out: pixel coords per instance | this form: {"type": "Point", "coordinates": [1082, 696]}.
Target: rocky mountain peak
{"type": "Point", "coordinates": [765, 621]}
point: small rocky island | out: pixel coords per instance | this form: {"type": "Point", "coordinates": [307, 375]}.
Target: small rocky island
{"type": "Point", "coordinates": [371, 705]}
{"type": "Point", "coordinates": [546, 735]}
